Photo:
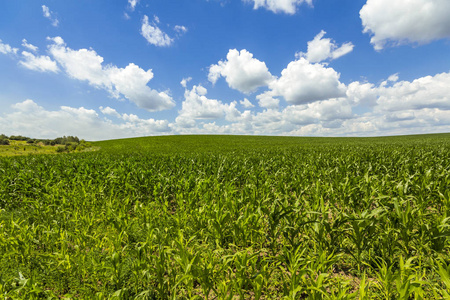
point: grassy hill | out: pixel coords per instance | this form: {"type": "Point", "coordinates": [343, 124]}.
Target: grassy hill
{"type": "Point", "coordinates": [228, 217]}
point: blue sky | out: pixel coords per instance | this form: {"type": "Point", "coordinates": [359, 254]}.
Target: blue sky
{"type": "Point", "coordinates": [114, 69]}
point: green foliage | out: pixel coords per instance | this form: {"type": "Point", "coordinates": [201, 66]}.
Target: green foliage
{"type": "Point", "coordinates": [60, 149]}
{"type": "Point", "coordinates": [39, 146]}
{"type": "Point", "coordinates": [18, 138]}
{"type": "Point", "coordinates": [67, 140]}
{"type": "Point", "coordinates": [223, 217]}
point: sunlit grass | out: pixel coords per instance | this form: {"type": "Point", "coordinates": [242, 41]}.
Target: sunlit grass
{"type": "Point", "coordinates": [22, 148]}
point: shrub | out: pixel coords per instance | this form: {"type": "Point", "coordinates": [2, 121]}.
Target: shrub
{"type": "Point", "coordinates": [61, 149]}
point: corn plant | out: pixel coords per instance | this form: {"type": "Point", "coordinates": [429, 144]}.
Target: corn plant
{"type": "Point", "coordinates": [229, 217]}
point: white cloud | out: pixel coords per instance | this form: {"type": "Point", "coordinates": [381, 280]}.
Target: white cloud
{"type": "Point", "coordinates": [246, 103]}
{"type": "Point", "coordinates": [46, 11]}
{"type": "Point", "coordinates": [197, 106]}
{"type": "Point", "coordinates": [180, 29]}
{"type": "Point", "coordinates": [420, 118]}
{"type": "Point", "coordinates": [269, 120]}
{"type": "Point", "coordinates": [299, 115]}
{"type": "Point", "coordinates": [393, 78]}
{"type": "Point", "coordinates": [109, 111]}
{"type": "Point", "coordinates": [320, 49]}
{"type": "Point", "coordinates": [29, 46]}
{"type": "Point", "coordinates": [393, 95]}
{"type": "Point", "coordinates": [393, 107]}
{"type": "Point", "coordinates": [50, 15]}
{"type": "Point", "coordinates": [393, 23]}
{"type": "Point", "coordinates": [131, 81]}
{"type": "Point", "coordinates": [57, 40]}
{"type": "Point", "coordinates": [30, 119]}
{"type": "Point", "coordinates": [241, 71]}
{"type": "Point", "coordinates": [82, 64]}
{"type": "Point", "coordinates": [401, 107]}
{"type": "Point", "coordinates": [153, 34]}
{"type": "Point", "coordinates": [132, 4]}
{"type": "Point", "coordinates": [184, 81]}
{"type": "Point", "coordinates": [7, 49]}
{"type": "Point", "coordinates": [267, 100]}
{"type": "Point", "coordinates": [363, 94]}
{"type": "Point", "coordinates": [424, 92]}
{"type": "Point", "coordinates": [302, 82]}
{"type": "Point", "coordinates": [328, 113]}
{"type": "Point", "coordinates": [279, 6]}
{"type": "Point", "coordinates": [38, 63]}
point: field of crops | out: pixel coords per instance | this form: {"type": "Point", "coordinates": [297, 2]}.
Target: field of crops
{"type": "Point", "coordinates": [229, 217]}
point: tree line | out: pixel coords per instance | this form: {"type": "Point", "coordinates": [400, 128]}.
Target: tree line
{"type": "Point", "coordinates": [64, 143]}
{"type": "Point", "coordinates": [65, 140]}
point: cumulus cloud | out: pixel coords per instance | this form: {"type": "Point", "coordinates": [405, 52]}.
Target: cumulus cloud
{"type": "Point", "coordinates": [320, 49]}
{"type": "Point", "coordinates": [267, 100]}
{"type": "Point", "coordinates": [109, 111]}
{"type": "Point", "coordinates": [393, 95]}
{"type": "Point", "coordinates": [153, 34]}
{"type": "Point", "coordinates": [33, 120]}
{"type": "Point", "coordinates": [38, 63]}
{"type": "Point", "coordinates": [329, 113]}
{"type": "Point", "coordinates": [401, 107]}
{"type": "Point", "coordinates": [362, 93]}
{"type": "Point", "coordinates": [131, 81]}
{"type": "Point", "coordinates": [50, 15]}
{"type": "Point", "coordinates": [246, 103]}
{"type": "Point", "coordinates": [328, 108]}
{"type": "Point", "coordinates": [393, 23]}
{"type": "Point", "coordinates": [7, 49]}
{"type": "Point", "coordinates": [424, 92]}
{"type": "Point", "coordinates": [197, 106]}
{"type": "Point", "coordinates": [279, 6]}
{"type": "Point", "coordinates": [241, 71]}
{"type": "Point", "coordinates": [303, 82]}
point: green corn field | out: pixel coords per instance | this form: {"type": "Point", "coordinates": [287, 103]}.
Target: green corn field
{"type": "Point", "coordinates": [229, 217]}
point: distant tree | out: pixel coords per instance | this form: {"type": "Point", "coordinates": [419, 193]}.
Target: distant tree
{"type": "Point", "coordinates": [4, 141]}
{"type": "Point", "coordinates": [58, 141]}
{"type": "Point", "coordinates": [67, 140]}
{"type": "Point", "coordinates": [18, 138]}
{"type": "Point", "coordinates": [73, 139]}
{"type": "Point", "coordinates": [3, 137]}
